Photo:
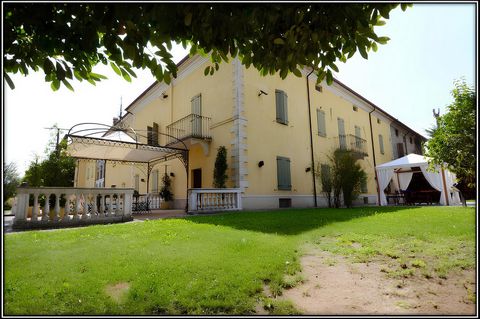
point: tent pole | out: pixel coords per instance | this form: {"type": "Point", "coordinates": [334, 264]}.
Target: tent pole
{"type": "Point", "coordinates": [445, 187]}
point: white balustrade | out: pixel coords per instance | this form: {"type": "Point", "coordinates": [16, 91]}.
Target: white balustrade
{"type": "Point", "coordinates": [214, 199]}
{"type": "Point", "coordinates": [88, 205]}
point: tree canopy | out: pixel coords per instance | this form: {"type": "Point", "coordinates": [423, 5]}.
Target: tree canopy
{"type": "Point", "coordinates": [57, 169]}
{"type": "Point", "coordinates": [66, 40]}
{"type": "Point", "coordinates": [453, 140]}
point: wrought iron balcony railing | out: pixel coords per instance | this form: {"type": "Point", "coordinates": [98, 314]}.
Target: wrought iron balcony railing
{"type": "Point", "coordinates": [191, 126]}
{"type": "Point", "coordinates": [352, 143]}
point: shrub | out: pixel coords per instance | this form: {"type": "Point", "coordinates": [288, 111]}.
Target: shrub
{"type": "Point", "coordinates": [165, 192]}
{"type": "Point", "coordinates": [220, 170]}
{"type": "Point", "coordinates": [347, 177]}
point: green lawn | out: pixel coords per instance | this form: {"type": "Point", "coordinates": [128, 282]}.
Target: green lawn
{"type": "Point", "coordinates": [218, 264]}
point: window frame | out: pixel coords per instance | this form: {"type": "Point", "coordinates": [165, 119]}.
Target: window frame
{"type": "Point", "coordinates": [281, 110]}
{"type": "Point", "coordinates": [279, 172]}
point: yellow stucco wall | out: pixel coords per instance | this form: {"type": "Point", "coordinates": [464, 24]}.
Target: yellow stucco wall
{"type": "Point", "coordinates": [85, 174]}
{"type": "Point", "coordinates": [265, 138]}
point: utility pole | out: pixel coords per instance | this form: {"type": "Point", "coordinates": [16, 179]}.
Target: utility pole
{"type": "Point", "coordinates": [57, 149]}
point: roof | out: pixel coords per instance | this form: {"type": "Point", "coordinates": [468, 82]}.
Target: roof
{"type": "Point", "coordinates": [335, 80]}
{"type": "Point", "coordinates": [115, 150]}
{"type": "Point", "coordinates": [410, 160]}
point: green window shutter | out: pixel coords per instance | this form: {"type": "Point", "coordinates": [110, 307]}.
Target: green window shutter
{"type": "Point", "coordinates": [380, 141]}
{"type": "Point", "coordinates": [321, 123]}
{"type": "Point", "coordinates": [283, 173]}
{"type": "Point", "coordinates": [281, 106]}
{"type": "Point", "coordinates": [149, 135]}
{"type": "Point", "coordinates": [155, 134]}
{"type": "Point", "coordinates": [358, 132]}
{"type": "Point", "coordinates": [341, 134]}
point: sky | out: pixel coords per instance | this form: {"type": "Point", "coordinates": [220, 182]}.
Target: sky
{"type": "Point", "coordinates": [431, 46]}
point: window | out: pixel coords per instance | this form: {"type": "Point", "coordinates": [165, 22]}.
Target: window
{"type": "Point", "coordinates": [155, 133]}
{"type": "Point", "coordinates": [149, 135]}
{"type": "Point", "coordinates": [321, 123]}
{"type": "Point", "coordinates": [284, 202]}
{"type": "Point", "coordinates": [137, 183]}
{"type": "Point", "coordinates": [341, 134]}
{"type": "Point", "coordinates": [283, 173]}
{"type": "Point", "coordinates": [411, 140]}
{"type": "Point", "coordinates": [196, 115]}
{"type": "Point", "coordinates": [318, 88]}
{"type": "Point", "coordinates": [396, 132]}
{"type": "Point", "coordinates": [358, 137]}
{"type": "Point", "coordinates": [363, 186]}
{"type": "Point", "coordinates": [380, 141]}
{"type": "Point", "coordinates": [355, 108]}
{"type": "Point", "coordinates": [155, 181]}
{"type": "Point", "coordinates": [152, 134]}
{"type": "Point", "coordinates": [281, 106]}
{"type": "Point", "coordinates": [400, 151]}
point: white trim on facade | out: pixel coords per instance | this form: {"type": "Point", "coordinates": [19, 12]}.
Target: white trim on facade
{"type": "Point", "coordinates": [239, 128]}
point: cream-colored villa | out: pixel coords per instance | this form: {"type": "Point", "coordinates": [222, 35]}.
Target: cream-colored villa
{"type": "Point", "coordinates": [273, 130]}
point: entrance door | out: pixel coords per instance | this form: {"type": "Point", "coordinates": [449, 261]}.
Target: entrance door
{"type": "Point", "coordinates": [197, 178]}
{"type": "Point", "coordinates": [196, 116]}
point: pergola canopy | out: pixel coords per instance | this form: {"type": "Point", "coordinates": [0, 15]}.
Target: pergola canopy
{"type": "Point", "coordinates": [117, 143]}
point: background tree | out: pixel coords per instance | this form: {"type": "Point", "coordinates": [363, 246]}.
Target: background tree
{"type": "Point", "coordinates": [220, 169]}
{"type": "Point", "coordinates": [57, 169]}
{"type": "Point", "coordinates": [10, 182]}
{"type": "Point", "coordinates": [453, 141]}
{"type": "Point", "coordinates": [66, 40]}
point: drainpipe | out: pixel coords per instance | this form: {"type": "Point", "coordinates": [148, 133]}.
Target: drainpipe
{"type": "Point", "coordinates": [311, 143]}
{"type": "Point", "coordinates": [373, 150]}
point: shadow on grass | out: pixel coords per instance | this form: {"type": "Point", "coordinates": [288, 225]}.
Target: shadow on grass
{"type": "Point", "coordinates": [290, 221]}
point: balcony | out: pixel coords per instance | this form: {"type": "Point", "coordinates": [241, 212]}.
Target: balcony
{"type": "Point", "coordinates": [190, 129]}
{"type": "Point", "coordinates": [352, 143]}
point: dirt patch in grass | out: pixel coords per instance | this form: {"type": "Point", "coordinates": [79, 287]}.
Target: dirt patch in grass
{"type": "Point", "coordinates": [117, 291]}
{"type": "Point", "coordinates": [345, 288]}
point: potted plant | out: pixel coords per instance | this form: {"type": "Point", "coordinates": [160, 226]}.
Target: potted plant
{"type": "Point", "coordinates": [166, 193]}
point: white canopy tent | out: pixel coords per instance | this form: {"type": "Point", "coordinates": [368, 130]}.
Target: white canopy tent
{"type": "Point", "coordinates": [441, 180]}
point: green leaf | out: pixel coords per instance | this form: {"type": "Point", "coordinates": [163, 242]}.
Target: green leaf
{"type": "Point", "coordinates": [329, 77]}
{"type": "Point", "coordinates": [206, 71]}
{"type": "Point", "coordinates": [279, 41]}
{"type": "Point", "coordinates": [383, 40]}
{"type": "Point", "coordinates": [188, 19]}
{"type": "Point", "coordinates": [68, 85]}
{"type": "Point", "coordinates": [126, 76]}
{"type": "Point", "coordinates": [363, 53]}
{"type": "Point", "coordinates": [55, 85]}
{"type": "Point", "coordinates": [98, 76]}
{"type": "Point", "coordinates": [115, 68]}
{"type": "Point", "coordinates": [60, 71]}
{"type": "Point", "coordinates": [297, 72]}
{"type": "Point", "coordinates": [380, 23]}
{"type": "Point", "coordinates": [374, 47]}
{"type": "Point", "coordinates": [9, 81]}
{"type": "Point", "coordinates": [166, 77]}
{"type": "Point", "coordinates": [334, 67]}
{"type": "Point", "coordinates": [47, 66]}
